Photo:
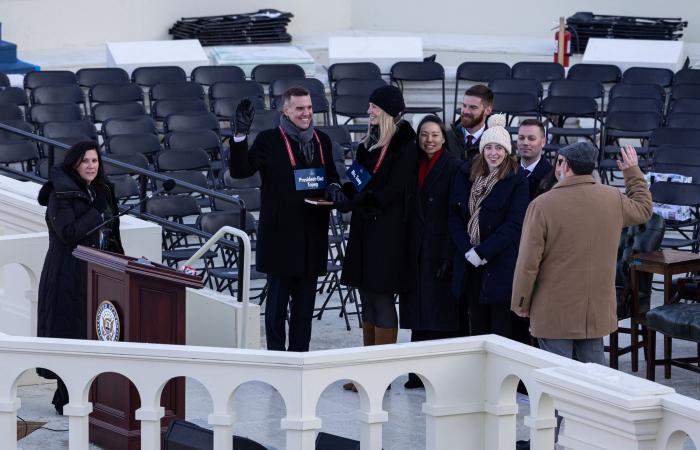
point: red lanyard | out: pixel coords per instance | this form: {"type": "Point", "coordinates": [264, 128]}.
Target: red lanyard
{"type": "Point", "coordinates": [381, 158]}
{"type": "Point", "coordinates": [289, 148]}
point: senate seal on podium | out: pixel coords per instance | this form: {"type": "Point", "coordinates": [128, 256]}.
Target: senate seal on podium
{"type": "Point", "coordinates": [107, 322]}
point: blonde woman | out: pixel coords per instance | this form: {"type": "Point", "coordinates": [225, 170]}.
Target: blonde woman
{"type": "Point", "coordinates": [382, 175]}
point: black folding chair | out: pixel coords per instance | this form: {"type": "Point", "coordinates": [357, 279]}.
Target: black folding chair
{"type": "Point", "coordinates": [648, 75]}
{"type": "Point", "coordinates": [208, 75]}
{"type": "Point", "coordinates": [603, 73]}
{"type": "Point", "coordinates": [540, 71]}
{"type": "Point", "coordinates": [90, 77]}
{"type": "Point", "coordinates": [404, 72]}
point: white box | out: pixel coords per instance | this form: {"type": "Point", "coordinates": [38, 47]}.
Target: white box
{"type": "Point", "coordinates": [248, 56]}
{"type": "Point", "coordinates": [186, 53]}
{"type": "Point", "coordinates": [626, 53]}
{"type": "Point", "coordinates": [383, 51]}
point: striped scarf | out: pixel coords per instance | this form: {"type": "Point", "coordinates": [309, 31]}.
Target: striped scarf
{"type": "Point", "coordinates": [481, 188]}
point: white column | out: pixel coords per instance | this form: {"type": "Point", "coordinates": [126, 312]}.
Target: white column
{"type": "Point", "coordinates": [541, 432]}
{"type": "Point", "coordinates": [8, 424]}
{"type": "Point", "coordinates": [150, 427]}
{"type": "Point", "coordinates": [301, 433]}
{"type": "Point", "coordinates": [222, 424]}
{"type": "Point", "coordinates": [78, 425]}
{"type": "Point", "coordinates": [500, 426]}
{"type": "Point", "coordinates": [451, 426]}
{"type": "Point", "coordinates": [371, 429]}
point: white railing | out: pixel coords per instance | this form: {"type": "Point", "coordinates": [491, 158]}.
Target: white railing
{"type": "Point", "coordinates": [470, 388]}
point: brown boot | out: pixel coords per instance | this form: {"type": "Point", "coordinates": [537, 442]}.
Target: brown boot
{"type": "Point", "coordinates": [367, 339]}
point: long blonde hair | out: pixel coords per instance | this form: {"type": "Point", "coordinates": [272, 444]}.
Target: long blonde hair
{"type": "Point", "coordinates": [387, 129]}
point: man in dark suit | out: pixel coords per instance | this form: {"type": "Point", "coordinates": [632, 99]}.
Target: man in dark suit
{"type": "Point", "coordinates": [531, 140]}
{"type": "Point", "coordinates": [464, 135]}
{"type": "Point", "coordinates": [295, 162]}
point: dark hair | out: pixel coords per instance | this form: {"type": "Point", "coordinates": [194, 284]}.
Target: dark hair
{"type": "Point", "coordinates": [483, 92]}
{"type": "Point", "coordinates": [74, 156]}
{"type": "Point", "coordinates": [295, 91]}
{"type": "Point", "coordinates": [433, 119]}
{"type": "Point", "coordinates": [532, 123]}
{"type": "Point", "coordinates": [579, 168]}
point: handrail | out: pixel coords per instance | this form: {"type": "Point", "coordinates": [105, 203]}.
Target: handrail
{"type": "Point", "coordinates": [143, 173]}
{"type": "Point", "coordinates": [243, 236]}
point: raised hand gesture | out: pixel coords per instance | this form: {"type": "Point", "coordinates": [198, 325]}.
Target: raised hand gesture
{"type": "Point", "coordinates": [629, 158]}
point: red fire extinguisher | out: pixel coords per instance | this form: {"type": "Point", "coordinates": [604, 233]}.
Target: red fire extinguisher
{"type": "Point", "coordinates": [566, 47]}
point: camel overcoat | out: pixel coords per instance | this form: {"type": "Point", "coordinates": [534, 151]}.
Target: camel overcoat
{"type": "Point", "coordinates": [565, 273]}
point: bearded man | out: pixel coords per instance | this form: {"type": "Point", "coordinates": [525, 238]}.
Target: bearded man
{"type": "Point", "coordinates": [464, 135]}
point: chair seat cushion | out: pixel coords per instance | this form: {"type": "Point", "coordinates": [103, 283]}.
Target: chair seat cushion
{"type": "Point", "coordinates": [678, 320]}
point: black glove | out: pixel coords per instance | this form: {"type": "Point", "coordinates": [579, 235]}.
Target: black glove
{"type": "Point", "coordinates": [335, 194]}
{"type": "Point", "coordinates": [243, 118]}
{"type": "Point", "coordinates": [445, 270]}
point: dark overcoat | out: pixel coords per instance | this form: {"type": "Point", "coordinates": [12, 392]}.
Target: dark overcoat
{"type": "Point", "coordinates": [70, 214]}
{"type": "Point", "coordinates": [500, 224]}
{"type": "Point", "coordinates": [427, 303]}
{"type": "Point", "coordinates": [456, 144]}
{"type": "Point", "coordinates": [292, 234]}
{"type": "Point", "coordinates": [376, 246]}
{"type": "Point", "coordinates": [542, 169]}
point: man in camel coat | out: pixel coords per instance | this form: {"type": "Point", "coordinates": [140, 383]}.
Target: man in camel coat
{"type": "Point", "coordinates": [565, 273]}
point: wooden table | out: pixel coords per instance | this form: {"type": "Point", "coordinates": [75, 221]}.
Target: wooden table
{"type": "Point", "coordinates": [667, 263]}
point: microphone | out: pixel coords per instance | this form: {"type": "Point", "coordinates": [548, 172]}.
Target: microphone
{"type": "Point", "coordinates": [167, 186]}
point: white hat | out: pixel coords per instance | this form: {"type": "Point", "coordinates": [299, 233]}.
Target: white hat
{"type": "Point", "coordinates": [496, 133]}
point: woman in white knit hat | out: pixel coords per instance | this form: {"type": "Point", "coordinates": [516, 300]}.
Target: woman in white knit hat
{"type": "Point", "coordinates": [488, 201]}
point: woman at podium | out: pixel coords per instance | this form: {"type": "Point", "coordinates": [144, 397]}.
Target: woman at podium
{"type": "Point", "coordinates": [78, 198]}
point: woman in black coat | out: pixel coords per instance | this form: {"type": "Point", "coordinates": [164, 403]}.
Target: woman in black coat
{"type": "Point", "coordinates": [78, 198]}
{"type": "Point", "coordinates": [376, 247]}
{"type": "Point", "coordinates": [488, 201]}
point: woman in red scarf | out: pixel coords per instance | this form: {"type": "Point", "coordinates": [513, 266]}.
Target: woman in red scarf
{"type": "Point", "coordinates": [427, 306]}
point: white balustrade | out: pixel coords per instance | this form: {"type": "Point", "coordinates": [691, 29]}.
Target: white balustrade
{"type": "Point", "coordinates": [470, 391]}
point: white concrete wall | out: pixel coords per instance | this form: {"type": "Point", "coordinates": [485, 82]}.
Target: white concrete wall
{"type": "Point", "coordinates": [508, 17]}
{"type": "Point", "coordinates": [39, 24]}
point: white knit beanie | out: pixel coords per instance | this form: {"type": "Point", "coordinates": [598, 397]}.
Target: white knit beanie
{"type": "Point", "coordinates": [496, 133]}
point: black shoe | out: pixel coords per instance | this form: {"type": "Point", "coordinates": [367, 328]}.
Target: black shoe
{"type": "Point", "coordinates": [59, 409]}
{"type": "Point", "coordinates": [414, 382]}
{"type": "Point", "coordinates": [522, 445]}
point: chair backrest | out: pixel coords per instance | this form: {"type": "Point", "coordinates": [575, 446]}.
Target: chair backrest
{"type": "Point", "coordinates": [267, 73]}
{"type": "Point", "coordinates": [134, 159]}
{"type": "Point", "coordinates": [633, 121]}
{"type": "Point", "coordinates": [14, 96]}
{"type": "Point", "coordinates": [124, 186]}
{"type": "Point", "coordinates": [182, 90]}
{"type": "Point", "coordinates": [358, 87]}
{"type": "Point", "coordinates": [687, 76]}
{"type": "Point", "coordinates": [356, 70]}
{"type": "Point", "coordinates": [648, 75]}
{"type": "Point", "coordinates": [576, 88]}
{"type": "Point", "coordinates": [540, 71]}
{"type": "Point", "coordinates": [103, 75]}
{"type": "Point", "coordinates": [264, 120]}
{"type": "Point", "coordinates": [687, 194]}
{"type": "Point", "coordinates": [236, 89]}
{"type": "Point", "coordinates": [161, 109]}
{"type": "Point", "coordinates": [175, 206]}
{"type": "Point", "coordinates": [683, 120]}
{"type": "Point", "coordinates": [67, 93]}
{"type": "Point", "coordinates": [603, 73]}
{"type": "Point", "coordinates": [635, 104]}
{"type": "Point", "coordinates": [102, 112]}
{"type": "Point", "coordinates": [20, 124]}
{"type": "Point", "coordinates": [482, 71]}
{"type": "Point", "coordinates": [207, 140]}
{"type": "Point", "coordinates": [125, 144]}
{"type": "Point", "coordinates": [417, 71]}
{"type": "Point", "coordinates": [680, 155]}
{"type": "Point", "coordinates": [638, 90]}
{"type": "Point", "coordinates": [674, 136]}
{"type": "Point", "coordinates": [685, 105]}
{"type": "Point", "coordinates": [313, 85]}
{"type": "Point", "coordinates": [194, 159]}
{"type": "Point", "coordinates": [228, 181]}
{"type": "Point", "coordinates": [208, 75]}
{"type": "Point", "coordinates": [150, 76]}
{"type": "Point", "coordinates": [129, 125]}
{"type": "Point", "coordinates": [532, 87]}
{"type": "Point", "coordinates": [115, 93]}
{"type": "Point", "coordinates": [18, 151]}
{"type": "Point", "coordinates": [515, 103]}
{"type": "Point", "coordinates": [338, 134]}
{"type": "Point", "coordinates": [75, 128]}
{"type": "Point", "coordinates": [61, 112]}
{"type": "Point", "coordinates": [225, 108]}
{"type": "Point", "coordinates": [569, 106]}
{"type": "Point", "coordinates": [34, 79]}
{"type": "Point", "coordinates": [191, 121]}
{"type": "Point", "coordinates": [212, 222]}
{"type": "Point", "coordinates": [9, 111]}
{"type": "Point", "coordinates": [685, 90]}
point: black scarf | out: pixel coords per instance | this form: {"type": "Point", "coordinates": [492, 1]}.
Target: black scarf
{"type": "Point", "coordinates": [303, 137]}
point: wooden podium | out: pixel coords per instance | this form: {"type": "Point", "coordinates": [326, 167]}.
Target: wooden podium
{"type": "Point", "coordinates": [132, 300]}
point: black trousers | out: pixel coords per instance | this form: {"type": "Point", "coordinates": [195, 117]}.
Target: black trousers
{"type": "Point", "coordinates": [485, 319]}
{"type": "Point", "coordinates": [302, 292]}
